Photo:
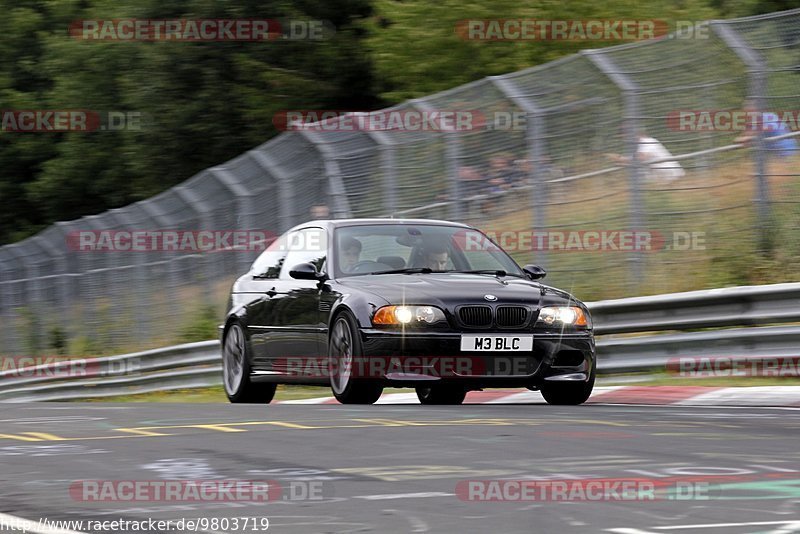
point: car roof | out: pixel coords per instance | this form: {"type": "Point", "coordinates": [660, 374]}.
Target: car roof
{"type": "Point", "coordinates": [337, 223]}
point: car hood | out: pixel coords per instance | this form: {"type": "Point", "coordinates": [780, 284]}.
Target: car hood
{"type": "Point", "coordinates": [450, 289]}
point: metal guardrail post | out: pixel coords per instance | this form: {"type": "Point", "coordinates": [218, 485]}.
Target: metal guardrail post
{"type": "Point", "coordinates": [757, 89]}
{"type": "Point", "coordinates": [630, 93]}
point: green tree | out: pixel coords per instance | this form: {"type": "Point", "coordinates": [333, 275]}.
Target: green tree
{"type": "Point", "coordinates": [201, 103]}
{"type": "Point", "coordinates": [417, 50]}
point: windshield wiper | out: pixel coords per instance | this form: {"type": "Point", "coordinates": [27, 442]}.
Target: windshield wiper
{"type": "Point", "coordinates": [407, 270]}
{"type": "Point", "coordinates": [496, 272]}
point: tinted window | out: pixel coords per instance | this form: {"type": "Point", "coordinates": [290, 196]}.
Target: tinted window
{"type": "Point", "coordinates": [368, 249]}
{"type": "Point", "coordinates": [305, 246]}
{"type": "Point", "coordinates": [269, 263]}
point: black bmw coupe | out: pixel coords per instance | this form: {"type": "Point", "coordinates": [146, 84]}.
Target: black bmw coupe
{"type": "Point", "coordinates": [363, 304]}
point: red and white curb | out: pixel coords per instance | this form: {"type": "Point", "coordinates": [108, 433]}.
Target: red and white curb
{"type": "Point", "coordinates": [659, 395]}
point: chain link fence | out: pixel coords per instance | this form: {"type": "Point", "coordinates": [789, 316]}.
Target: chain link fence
{"type": "Point", "coordinates": [575, 167]}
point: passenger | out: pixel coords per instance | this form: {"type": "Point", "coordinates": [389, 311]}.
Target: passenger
{"type": "Point", "coordinates": [349, 252]}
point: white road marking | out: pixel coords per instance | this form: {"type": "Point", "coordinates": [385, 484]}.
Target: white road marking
{"type": "Point", "coordinates": [754, 396]}
{"type": "Point", "coordinates": [388, 496]}
{"type": "Point", "coordinates": [768, 397]}
{"type": "Point", "coordinates": [725, 525]}
{"type": "Point", "coordinates": [524, 397]}
{"type": "Point", "coordinates": [399, 398]}
{"type": "Point", "coordinates": [788, 526]}
{"type": "Point", "coordinates": [317, 400]}
{"type": "Point", "coordinates": [65, 419]}
{"type": "Point", "coordinates": [81, 407]}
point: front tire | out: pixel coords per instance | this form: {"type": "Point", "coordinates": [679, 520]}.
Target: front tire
{"type": "Point", "coordinates": [344, 352]}
{"type": "Point", "coordinates": [569, 394]}
{"type": "Point", "coordinates": [443, 394]}
{"type": "Point", "coordinates": [236, 371]}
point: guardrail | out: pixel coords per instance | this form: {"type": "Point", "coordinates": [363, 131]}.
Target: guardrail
{"type": "Point", "coordinates": [187, 366]}
{"type": "Point", "coordinates": [194, 365]}
{"type": "Point", "coordinates": [712, 308]}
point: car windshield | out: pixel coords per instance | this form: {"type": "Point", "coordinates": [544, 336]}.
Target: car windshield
{"type": "Point", "coordinates": [420, 248]}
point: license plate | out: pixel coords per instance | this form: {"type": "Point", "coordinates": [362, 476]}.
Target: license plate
{"type": "Point", "coordinates": [504, 343]}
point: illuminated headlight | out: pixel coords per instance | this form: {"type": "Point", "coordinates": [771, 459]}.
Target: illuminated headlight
{"type": "Point", "coordinates": [404, 315]}
{"type": "Point", "coordinates": [563, 315]}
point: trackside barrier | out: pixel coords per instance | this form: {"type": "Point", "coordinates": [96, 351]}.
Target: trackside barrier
{"type": "Point", "coordinates": [740, 321]}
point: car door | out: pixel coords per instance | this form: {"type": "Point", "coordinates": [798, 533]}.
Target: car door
{"type": "Point", "coordinates": [296, 329]}
{"type": "Point", "coordinates": [257, 289]}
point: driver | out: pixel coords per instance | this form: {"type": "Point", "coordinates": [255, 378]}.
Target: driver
{"type": "Point", "coordinates": [435, 257]}
{"type": "Point", "coordinates": [349, 252]}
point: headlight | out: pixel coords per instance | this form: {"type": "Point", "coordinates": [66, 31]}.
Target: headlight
{"type": "Point", "coordinates": [403, 315]}
{"type": "Point", "coordinates": [563, 316]}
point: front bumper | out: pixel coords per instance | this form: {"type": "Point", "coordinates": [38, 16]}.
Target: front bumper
{"type": "Point", "coordinates": [420, 358]}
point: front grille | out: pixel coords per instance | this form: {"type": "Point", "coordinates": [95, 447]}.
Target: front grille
{"type": "Point", "coordinates": [479, 316]}
{"type": "Point", "coordinates": [512, 316]}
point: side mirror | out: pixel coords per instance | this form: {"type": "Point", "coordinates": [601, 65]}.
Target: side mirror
{"type": "Point", "coordinates": [305, 271]}
{"type": "Point", "coordinates": [534, 272]}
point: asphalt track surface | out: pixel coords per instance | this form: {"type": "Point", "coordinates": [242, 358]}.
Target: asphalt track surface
{"type": "Point", "coordinates": [396, 468]}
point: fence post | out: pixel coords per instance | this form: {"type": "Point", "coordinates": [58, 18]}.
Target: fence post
{"type": "Point", "coordinates": [631, 127]}
{"type": "Point", "coordinates": [246, 219]}
{"type": "Point", "coordinates": [285, 201]}
{"type": "Point", "coordinates": [534, 140]}
{"type": "Point", "coordinates": [171, 277]}
{"type": "Point", "coordinates": [212, 266]}
{"type": "Point", "coordinates": [452, 156]}
{"type": "Point", "coordinates": [336, 188]}
{"type": "Point", "coordinates": [757, 89]}
{"type": "Point", "coordinates": [388, 168]}
{"type": "Point", "coordinates": [8, 286]}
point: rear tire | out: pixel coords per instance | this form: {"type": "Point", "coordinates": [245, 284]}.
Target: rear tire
{"type": "Point", "coordinates": [439, 395]}
{"type": "Point", "coordinates": [569, 394]}
{"type": "Point", "coordinates": [236, 370]}
{"type": "Point", "coordinates": [344, 352]}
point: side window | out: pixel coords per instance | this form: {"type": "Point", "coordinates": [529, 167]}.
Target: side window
{"type": "Point", "coordinates": [309, 245]}
{"type": "Point", "coordinates": [269, 263]}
